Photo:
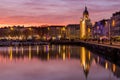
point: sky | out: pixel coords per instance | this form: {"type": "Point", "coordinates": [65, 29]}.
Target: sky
{"type": "Point", "coordinates": [54, 12]}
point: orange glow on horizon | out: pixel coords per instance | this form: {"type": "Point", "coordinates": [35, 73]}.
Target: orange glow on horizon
{"type": "Point", "coordinates": [25, 25]}
{"type": "Point", "coordinates": [36, 13]}
{"type": "Point", "coordinates": [29, 25]}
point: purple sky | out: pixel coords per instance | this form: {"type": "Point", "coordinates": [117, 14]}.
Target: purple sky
{"type": "Point", "coordinates": [54, 12]}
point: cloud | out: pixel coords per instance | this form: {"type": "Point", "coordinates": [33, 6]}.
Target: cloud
{"type": "Point", "coordinates": [54, 11]}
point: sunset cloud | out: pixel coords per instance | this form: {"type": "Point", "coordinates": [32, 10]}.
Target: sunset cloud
{"type": "Point", "coordinates": [37, 12]}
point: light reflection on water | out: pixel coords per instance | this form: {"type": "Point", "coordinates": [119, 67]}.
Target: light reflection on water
{"type": "Point", "coordinates": [54, 63]}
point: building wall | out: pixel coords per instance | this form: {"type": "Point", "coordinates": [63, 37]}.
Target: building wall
{"type": "Point", "coordinates": [101, 29]}
{"type": "Point", "coordinates": [115, 24]}
{"type": "Point", "coordinates": [57, 32]}
{"type": "Point", "coordinates": [85, 26]}
{"type": "Point", "coordinates": [72, 31]}
{"type": "Point", "coordinates": [83, 30]}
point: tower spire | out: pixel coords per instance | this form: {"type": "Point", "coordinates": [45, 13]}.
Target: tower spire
{"type": "Point", "coordinates": [86, 13]}
{"type": "Point", "coordinates": [85, 24]}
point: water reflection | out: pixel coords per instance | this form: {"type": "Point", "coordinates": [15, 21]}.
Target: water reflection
{"type": "Point", "coordinates": [108, 66]}
{"type": "Point", "coordinates": [52, 52]}
{"type": "Point", "coordinates": [86, 60]}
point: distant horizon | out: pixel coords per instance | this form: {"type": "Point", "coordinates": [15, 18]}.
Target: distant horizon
{"type": "Point", "coordinates": [54, 12]}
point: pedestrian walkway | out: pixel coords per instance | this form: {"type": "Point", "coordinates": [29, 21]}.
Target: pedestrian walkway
{"type": "Point", "coordinates": [107, 44]}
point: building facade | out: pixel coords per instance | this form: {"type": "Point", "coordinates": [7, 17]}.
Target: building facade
{"type": "Point", "coordinates": [73, 31]}
{"type": "Point", "coordinates": [57, 32]}
{"type": "Point", "coordinates": [115, 24]}
{"type": "Point", "coordinates": [85, 25]}
{"type": "Point", "coordinates": [101, 29]}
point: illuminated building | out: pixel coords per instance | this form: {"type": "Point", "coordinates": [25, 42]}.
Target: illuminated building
{"type": "Point", "coordinates": [85, 25]}
{"type": "Point", "coordinates": [115, 24]}
{"type": "Point", "coordinates": [57, 32]}
{"type": "Point", "coordinates": [101, 29]}
{"type": "Point", "coordinates": [73, 31]}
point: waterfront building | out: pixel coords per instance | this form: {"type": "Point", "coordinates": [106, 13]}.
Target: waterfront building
{"type": "Point", "coordinates": [12, 33]}
{"type": "Point", "coordinates": [101, 29]}
{"type": "Point", "coordinates": [85, 25]}
{"type": "Point", "coordinates": [115, 24]}
{"type": "Point", "coordinates": [73, 31]}
{"type": "Point", "coordinates": [43, 32]}
{"type": "Point", "coordinates": [20, 33]}
{"type": "Point", "coordinates": [3, 33]}
{"type": "Point", "coordinates": [57, 32]}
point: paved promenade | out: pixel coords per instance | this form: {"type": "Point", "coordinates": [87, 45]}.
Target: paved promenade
{"type": "Point", "coordinates": [113, 45]}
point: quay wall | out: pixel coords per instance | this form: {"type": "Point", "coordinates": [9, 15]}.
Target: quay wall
{"type": "Point", "coordinates": [107, 51]}
{"type": "Point", "coordinates": [22, 43]}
